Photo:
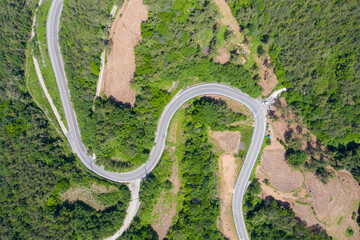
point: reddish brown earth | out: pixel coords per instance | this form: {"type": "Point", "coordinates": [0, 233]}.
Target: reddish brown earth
{"type": "Point", "coordinates": [125, 34]}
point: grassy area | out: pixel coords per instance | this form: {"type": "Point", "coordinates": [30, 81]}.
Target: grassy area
{"type": "Point", "coordinates": [175, 140]}
{"type": "Point", "coordinates": [252, 176]}
{"type": "Point", "coordinates": [340, 220]}
{"type": "Point", "coordinates": [41, 53]}
{"type": "Point", "coordinates": [303, 203]}
{"type": "Point", "coordinates": [37, 93]}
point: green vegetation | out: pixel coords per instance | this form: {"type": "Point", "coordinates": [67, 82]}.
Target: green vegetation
{"type": "Point", "coordinates": [340, 220]}
{"type": "Point", "coordinates": [296, 158]}
{"type": "Point", "coordinates": [38, 94]}
{"type": "Point", "coordinates": [197, 202]}
{"type": "Point", "coordinates": [316, 53]}
{"type": "Point", "coordinates": [270, 219]}
{"type": "Point", "coordinates": [38, 48]}
{"type": "Point", "coordinates": [176, 42]}
{"type": "Point", "coordinates": [353, 216]}
{"type": "Point", "coordinates": [349, 232]}
{"type": "Point", "coordinates": [36, 166]}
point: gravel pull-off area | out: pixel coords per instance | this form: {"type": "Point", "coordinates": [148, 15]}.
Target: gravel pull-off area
{"type": "Point", "coordinates": [125, 34]}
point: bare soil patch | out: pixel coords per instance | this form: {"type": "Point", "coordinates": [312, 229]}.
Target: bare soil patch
{"type": "Point", "coordinates": [286, 125]}
{"type": "Point", "coordinates": [125, 33]}
{"type": "Point", "coordinates": [334, 201]}
{"type": "Point", "coordinates": [228, 141]}
{"type": "Point", "coordinates": [268, 79]}
{"type": "Point", "coordinates": [173, 86]}
{"type": "Point", "coordinates": [233, 105]}
{"type": "Point", "coordinates": [228, 171]}
{"type": "Point", "coordinates": [165, 208]}
{"type": "Point", "coordinates": [280, 175]}
{"type": "Point", "coordinates": [223, 56]}
{"type": "Point", "coordinates": [234, 40]}
{"type": "Point", "coordinates": [329, 206]}
{"type": "Point", "coordinates": [87, 195]}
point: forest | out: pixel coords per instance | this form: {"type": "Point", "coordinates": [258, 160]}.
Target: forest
{"type": "Point", "coordinates": [36, 164]}
{"type": "Point", "coordinates": [315, 48]}
{"type": "Point", "coordinates": [172, 49]}
{"type": "Point", "coordinates": [198, 201]}
{"type": "Point", "coordinates": [271, 219]}
{"type": "Point", "coordinates": [316, 57]}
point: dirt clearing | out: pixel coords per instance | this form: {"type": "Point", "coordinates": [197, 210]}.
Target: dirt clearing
{"type": "Point", "coordinates": [223, 56]}
{"type": "Point", "coordinates": [227, 19]}
{"type": "Point", "coordinates": [165, 208]}
{"type": "Point", "coordinates": [228, 174]}
{"type": "Point", "coordinates": [228, 141]}
{"type": "Point", "coordinates": [268, 79]}
{"type": "Point", "coordinates": [87, 195]}
{"type": "Point", "coordinates": [125, 34]}
{"type": "Point", "coordinates": [279, 174]}
{"type": "Point", "coordinates": [329, 206]}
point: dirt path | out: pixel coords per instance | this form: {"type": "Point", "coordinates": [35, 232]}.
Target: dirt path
{"type": "Point", "coordinates": [125, 34]}
{"type": "Point", "coordinates": [99, 83]}
{"type": "Point", "coordinates": [48, 97]}
{"type": "Point", "coordinates": [133, 207]}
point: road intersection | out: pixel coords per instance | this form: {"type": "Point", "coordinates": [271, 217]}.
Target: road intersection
{"type": "Point", "coordinates": [256, 106]}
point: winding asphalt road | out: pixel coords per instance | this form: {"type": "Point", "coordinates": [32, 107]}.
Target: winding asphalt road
{"type": "Point", "coordinates": [256, 106]}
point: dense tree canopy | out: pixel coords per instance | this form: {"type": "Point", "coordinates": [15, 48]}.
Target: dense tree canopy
{"type": "Point", "coordinates": [271, 219]}
{"type": "Point", "coordinates": [315, 47]}
{"type": "Point", "coordinates": [36, 165]}
{"type": "Point", "coordinates": [174, 40]}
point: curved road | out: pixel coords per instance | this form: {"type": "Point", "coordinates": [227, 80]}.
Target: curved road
{"type": "Point", "coordinates": [74, 137]}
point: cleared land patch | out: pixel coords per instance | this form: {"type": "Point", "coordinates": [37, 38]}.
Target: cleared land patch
{"type": "Point", "coordinates": [94, 196]}
{"type": "Point", "coordinates": [125, 33]}
{"type": "Point", "coordinates": [268, 80]}
{"type": "Point", "coordinates": [228, 174]}
{"type": "Point", "coordinates": [228, 141]}
{"type": "Point", "coordinates": [329, 206]}
{"type": "Point", "coordinates": [226, 145]}
{"type": "Point", "coordinates": [165, 208]}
